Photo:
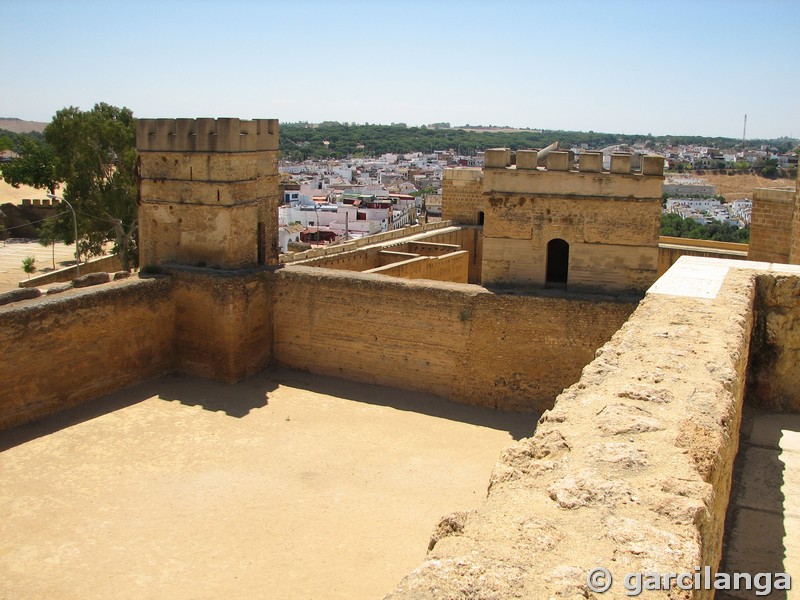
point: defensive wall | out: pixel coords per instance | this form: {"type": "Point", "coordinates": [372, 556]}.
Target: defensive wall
{"type": "Point", "coordinates": [456, 340]}
{"type": "Point", "coordinates": [60, 351]}
{"type": "Point", "coordinates": [633, 461]}
{"type": "Point", "coordinates": [631, 470]}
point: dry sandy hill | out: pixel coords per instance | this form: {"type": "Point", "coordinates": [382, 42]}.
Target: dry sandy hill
{"type": "Point", "coordinates": [20, 126]}
{"type": "Point", "coordinates": [736, 187]}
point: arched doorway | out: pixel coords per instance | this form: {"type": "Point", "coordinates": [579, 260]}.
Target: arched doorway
{"type": "Point", "coordinates": [557, 263]}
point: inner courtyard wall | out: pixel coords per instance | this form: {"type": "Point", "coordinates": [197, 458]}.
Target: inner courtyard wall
{"type": "Point", "coordinates": [60, 351]}
{"type": "Point", "coordinates": [458, 341]}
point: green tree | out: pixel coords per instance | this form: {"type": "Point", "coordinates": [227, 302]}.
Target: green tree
{"type": "Point", "coordinates": [95, 155]}
{"type": "Point", "coordinates": [29, 265]}
{"type": "Point", "coordinates": [48, 236]}
{"type": "Point", "coordinates": [770, 168]}
{"type": "Point", "coordinates": [34, 167]}
{"type": "Point", "coordinates": [6, 142]}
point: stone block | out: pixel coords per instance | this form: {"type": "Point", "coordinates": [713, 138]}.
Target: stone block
{"type": "Point", "coordinates": [620, 163]}
{"type": "Point", "coordinates": [558, 161]}
{"type": "Point", "coordinates": [90, 279]}
{"type": "Point", "coordinates": [652, 164]}
{"type": "Point", "coordinates": [526, 159]}
{"type": "Point", "coordinates": [591, 162]}
{"type": "Point", "coordinates": [19, 294]}
{"type": "Point", "coordinates": [497, 158]}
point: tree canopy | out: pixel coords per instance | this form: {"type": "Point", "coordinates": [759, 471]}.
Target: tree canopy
{"type": "Point", "coordinates": [34, 167]}
{"type": "Point", "coordinates": [676, 226]}
{"type": "Point", "coordinates": [301, 141]}
{"type": "Point", "coordinates": [95, 156]}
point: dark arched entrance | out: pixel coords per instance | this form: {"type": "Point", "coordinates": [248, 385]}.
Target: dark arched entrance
{"type": "Point", "coordinates": [557, 263]}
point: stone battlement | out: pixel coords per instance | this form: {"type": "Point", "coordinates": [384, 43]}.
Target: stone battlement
{"type": "Point", "coordinates": [206, 135]}
{"type": "Point", "coordinates": [588, 162]}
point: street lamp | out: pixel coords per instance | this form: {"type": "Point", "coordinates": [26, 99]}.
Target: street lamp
{"type": "Point", "coordinates": [75, 224]}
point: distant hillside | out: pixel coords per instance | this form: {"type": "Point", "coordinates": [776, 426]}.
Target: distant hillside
{"type": "Point", "coordinates": [20, 126]}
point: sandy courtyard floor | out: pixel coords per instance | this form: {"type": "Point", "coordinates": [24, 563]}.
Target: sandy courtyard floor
{"type": "Point", "coordinates": [285, 486]}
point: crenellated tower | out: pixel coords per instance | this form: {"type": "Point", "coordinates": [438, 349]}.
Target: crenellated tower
{"type": "Point", "coordinates": [546, 222]}
{"type": "Point", "coordinates": [208, 192]}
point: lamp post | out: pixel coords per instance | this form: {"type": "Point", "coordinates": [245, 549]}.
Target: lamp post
{"type": "Point", "coordinates": [75, 225]}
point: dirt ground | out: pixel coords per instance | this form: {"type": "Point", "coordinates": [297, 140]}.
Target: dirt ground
{"type": "Point", "coordinates": [285, 486]}
{"type": "Point", "coordinates": [736, 187]}
{"type": "Point", "coordinates": [13, 251]}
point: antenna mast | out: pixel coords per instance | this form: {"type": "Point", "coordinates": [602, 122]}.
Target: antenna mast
{"type": "Point", "coordinates": [744, 132]}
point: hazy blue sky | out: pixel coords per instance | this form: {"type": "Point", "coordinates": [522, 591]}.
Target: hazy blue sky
{"type": "Point", "coordinates": [633, 67]}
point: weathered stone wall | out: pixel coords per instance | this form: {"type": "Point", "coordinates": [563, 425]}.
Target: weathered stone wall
{"type": "Point", "coordinates": [774, 377]}
{"type": "Point", "coordinates": [631, 469]}
{"type": "Point", "coordinates": [463, 190]}
{"type": "Point", "coordinates": [223, 322]}
{"type": "Point", "coordinates": [208, 192]}
{"type": "Point", "coordinates": [458, 341]}
{"type": "Point", "coordinates": [64, 350]}
{"type": "Point", "coordinates": [771, 225]}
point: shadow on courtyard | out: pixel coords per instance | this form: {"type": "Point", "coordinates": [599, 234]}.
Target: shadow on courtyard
{"type": "Point", "coordinates": [238, 400]}
{"type": "Point", "coordinates": [517, 424]}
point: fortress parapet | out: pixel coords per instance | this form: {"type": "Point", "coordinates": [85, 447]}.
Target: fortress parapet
{"type": "Point", "coordinates": [206, 135]}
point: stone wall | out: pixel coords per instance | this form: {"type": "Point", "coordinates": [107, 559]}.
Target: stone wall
{"type": "Point", "coordinates": [107, 264]}
{"type": "Point", "coordinates": [372, 258]}
{"type": "Point", "coordinates": [774, 377]}
{"type": "Point", "coordinates": [223, 322]}
{"type": "Point", "coordinates": [463, 190]}
{"type": "Point", "coordinates": [771, 224]}
{"type": "Point", "coordinates": [60, 351]}
{"type": "Point", "coordinates": [631, 469]}
{"type": "Point", "coordinates": [449, 267]}
{"type": "Point", "coordinates": [459, 341]}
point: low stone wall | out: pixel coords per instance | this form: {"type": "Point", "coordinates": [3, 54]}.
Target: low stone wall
{"type": "Point", "coordinates": [450, 267]}
{"type": "Point", "coordinates": [459, 341]}
{"type": "Point", "coordinates": [670, 249]}
{"type": "Point", "coordinates": [60, 351]}
{"type": "Point", "coordinates": [107, 264]}
{"type": "Point", "coordinates": [364, 241]}
{"type": "Point", "coordinates": [630, 471]}
{"type": "Point", "coordinates": [774, 378]}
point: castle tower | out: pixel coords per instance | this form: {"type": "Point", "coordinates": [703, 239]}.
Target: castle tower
{"type": "Point", "coordinates": [208, 192]}
{"type": "Point", "coordinates": [584, 229]}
